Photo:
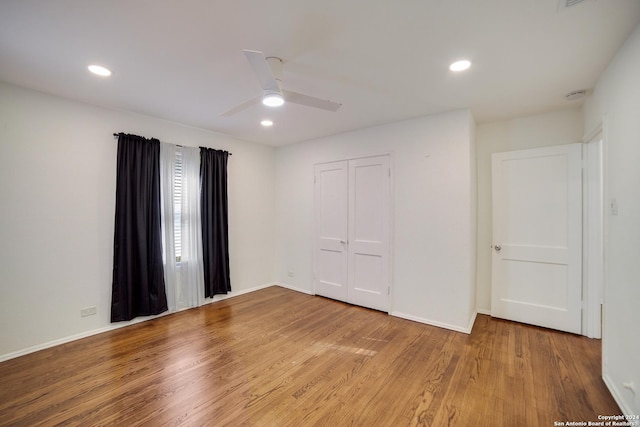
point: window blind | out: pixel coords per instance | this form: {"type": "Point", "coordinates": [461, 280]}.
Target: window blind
{"type": "Point", "coordinates": [177, 206]}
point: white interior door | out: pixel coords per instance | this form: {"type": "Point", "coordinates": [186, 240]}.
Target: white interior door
{"type": "Point", "coordinates": [352, 226]}
{"type": "Point", "coordinates": [368, 244]}
{"type": "Point", "coordinates": [537, 237]}
{"type": "Point", "coordinates": [331, 210]}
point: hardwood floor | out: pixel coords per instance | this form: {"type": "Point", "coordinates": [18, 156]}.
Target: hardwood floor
{"type": "Point", "coordinates": [281, 358]}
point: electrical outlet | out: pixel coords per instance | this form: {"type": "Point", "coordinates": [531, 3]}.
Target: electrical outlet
{"type": "Point", "coordinates": [290, 273]}
{"type": "Point", "coordinates": [89, 311]}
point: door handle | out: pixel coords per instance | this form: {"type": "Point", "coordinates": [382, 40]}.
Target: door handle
{"type": "Point", "coordinates": [498, 248]}
{"type": "Point", "coordinates": [343, 242]}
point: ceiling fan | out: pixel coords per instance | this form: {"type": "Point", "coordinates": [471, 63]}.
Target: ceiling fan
{"type": "Point", "coordinates": [268, 70]}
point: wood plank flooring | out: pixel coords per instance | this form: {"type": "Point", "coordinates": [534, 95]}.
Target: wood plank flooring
{"type": "Point", "coordinates": [276, 357]}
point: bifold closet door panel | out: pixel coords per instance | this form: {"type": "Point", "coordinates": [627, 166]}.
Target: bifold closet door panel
{"type": "Point", "coordinates": [368, 230]}
{"type": "Point", "coordinates": [331, 215]}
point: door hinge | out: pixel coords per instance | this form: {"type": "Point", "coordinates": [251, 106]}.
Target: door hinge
{"type": "Point", "coordinates": [388, 290]}
{"type": "Point", "coordinates": [389, 171]}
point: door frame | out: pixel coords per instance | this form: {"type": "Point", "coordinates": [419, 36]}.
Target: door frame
{"type": "Point", "coordinates": [594, 226]}
{"type": "Point", "coordinates": [314, 272]}
{"type": "Point", "coordinates": [594, 232]}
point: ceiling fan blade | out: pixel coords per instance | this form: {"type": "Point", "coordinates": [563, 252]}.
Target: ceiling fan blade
{"type": "Point", "coordinates": [310, 101]}
{"type": "Point", "coordinates": [261, 67]}
{"type": "Point", "coordinates": [241, 107]}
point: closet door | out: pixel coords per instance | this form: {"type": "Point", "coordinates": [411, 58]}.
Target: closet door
{"type": "Point", "coordinates": [368, 243]}
{"type": "Point", "coordinates": [352, 230]}
{"type": "Point", "coordinates": [331, 210]}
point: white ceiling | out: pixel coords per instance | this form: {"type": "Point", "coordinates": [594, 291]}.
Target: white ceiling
{"type": "Point", "coordinates": [384, 60]}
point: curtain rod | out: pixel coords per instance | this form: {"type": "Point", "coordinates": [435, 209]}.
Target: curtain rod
{"type": "Point", "coordinates": [116, 135]}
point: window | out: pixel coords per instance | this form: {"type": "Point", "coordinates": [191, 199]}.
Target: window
{"type": "Point", "coordinates": [180, 172]}
{"type": "Point", "coordinates": [177, 206]}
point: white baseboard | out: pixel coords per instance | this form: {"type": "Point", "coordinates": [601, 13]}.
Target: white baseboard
{"type": "Point", "coordinates": [33, 349]}
{"type": "Point", "coordinates": [617, 396]}
{"type": "Point", "coordinates": [483, 311]}
{"type": "Point", "coordinates": [232, 294]}
{"type": "Point", "coordinates": [466, 330]}
{"type": "Point", "coordinates": [119, 325]}
{"type": "Point", "coordinates": [53, 343]}
{"type": "Point", "coordinates": [293, 288]}
{"type": "Point", "coordinates": [75, 337]}
{"type": "Point", "coordinates": [472, 321]}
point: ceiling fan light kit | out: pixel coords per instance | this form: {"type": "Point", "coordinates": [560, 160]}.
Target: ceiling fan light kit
{"type": "Point", "coordinates": [272, 98]}
{"type": "Point", "coordinates": [268, 71]}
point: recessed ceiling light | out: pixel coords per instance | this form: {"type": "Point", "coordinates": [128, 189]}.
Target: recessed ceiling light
{"type": "Point", "coordinates": [460, 65]}
{"type": "Point", "coordinates": [99, 70]}
{"type": "Point", "coordinates": [266, 123]}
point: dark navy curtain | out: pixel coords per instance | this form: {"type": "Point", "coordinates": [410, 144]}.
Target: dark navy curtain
{"type": "Point", "coordinates": [138, 276]}
{"type": "Point", "coordinates": [215, 224]}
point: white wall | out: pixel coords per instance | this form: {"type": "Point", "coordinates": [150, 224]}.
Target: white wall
{"type": "Point", "coordinates": [434, 220]}
{"type": "Point", "coordinates": [57, 186]}
{"type": "Point", "coordinates": [555, 128]}
{"type": "Point", "coordinates": [615, 104]}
